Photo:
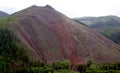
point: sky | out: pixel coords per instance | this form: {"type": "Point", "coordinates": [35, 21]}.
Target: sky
{"type": "Point", "coordinates": [71, 8]}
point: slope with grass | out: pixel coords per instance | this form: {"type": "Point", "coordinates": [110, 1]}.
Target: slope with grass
{"type": "Point", "coordinates": [107, 25]}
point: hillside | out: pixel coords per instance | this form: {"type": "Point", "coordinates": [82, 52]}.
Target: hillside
{"type": "Point", "coordinates": [107, 25]}
{"type": "Point", "coordinates": [103, 21]}
{"type": "Point", "coordinates": [3, 14]}
{"type": "Point", "coordinates": [51, 37]}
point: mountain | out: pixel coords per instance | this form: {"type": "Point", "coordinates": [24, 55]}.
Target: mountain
{"type": "Point", "coordinates": [107, 25]}
{"type": "Point", "coordinates": [3, 14]}
{"type": "Point", "coordinates": [51, 36]}
{"type": "Point", "coordinates": [97, 22]}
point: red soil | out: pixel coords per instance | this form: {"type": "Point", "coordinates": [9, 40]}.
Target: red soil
{"type": "Point", "coordinates": [65, 38]}
{"type": "Point", "coordinates": [29, 41]}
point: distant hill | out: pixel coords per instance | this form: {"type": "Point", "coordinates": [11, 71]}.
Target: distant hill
{"type": "Point", "coordinates": [3, 14]}
{"type": "Point", "coordinates": [107, 25]}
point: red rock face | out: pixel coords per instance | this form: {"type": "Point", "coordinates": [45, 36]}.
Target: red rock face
{"type": "Point", "coordinates": [51, 36]}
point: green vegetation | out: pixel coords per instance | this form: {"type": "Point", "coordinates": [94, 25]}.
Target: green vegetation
{"type": "Point", "coordinates": [6, 21]}
{"type": "Point", "coordinates": [107, 25]}
{"type": "Point", "coordinates": [99, 68]}
{"type": "Point", "coordinates": [97, 22]}
{"type": "Point", "coordinates": [112, 33]}
{"type": "Point", "coordinates": [13, 58]}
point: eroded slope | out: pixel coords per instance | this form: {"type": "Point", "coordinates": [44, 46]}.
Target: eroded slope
{"type": "Point", "coordinates": [51, 37]}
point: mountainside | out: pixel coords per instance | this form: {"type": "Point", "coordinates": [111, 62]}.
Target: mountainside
{"type": "Point", "coordinates": [51, 36]}
{"type": "Point", "coordinates": [3, 14]}
{"type": "Point", "coordinates": [107, 25]}
{"type": "Point", "coordinates": [97, 22]}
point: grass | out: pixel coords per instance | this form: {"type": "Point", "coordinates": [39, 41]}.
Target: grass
{"type": "Point", "coordinates": [64, 71]}
{"type": "Point", "coordinates": [109, 30]}
{"type": "Point", "coordinates": [103, 71]}
{"type": "Point", "coordinates": [7, 20]}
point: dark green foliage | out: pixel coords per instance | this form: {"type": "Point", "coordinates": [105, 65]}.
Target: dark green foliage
{"type": "Point", "coordinates": [104, 68]}
{"type": "Point", "coordinates": [91, 67]}
{"type": "Point", "coordinates": [62, 65]}
{"type": "Point", "coordinates": [82, 68]}
{"type": "Point", "coordinates": [12, 56]}
{"type": "Point", "coordinates": [39, 67]}
{"type": "Point", "coordinates": [64, 71]}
